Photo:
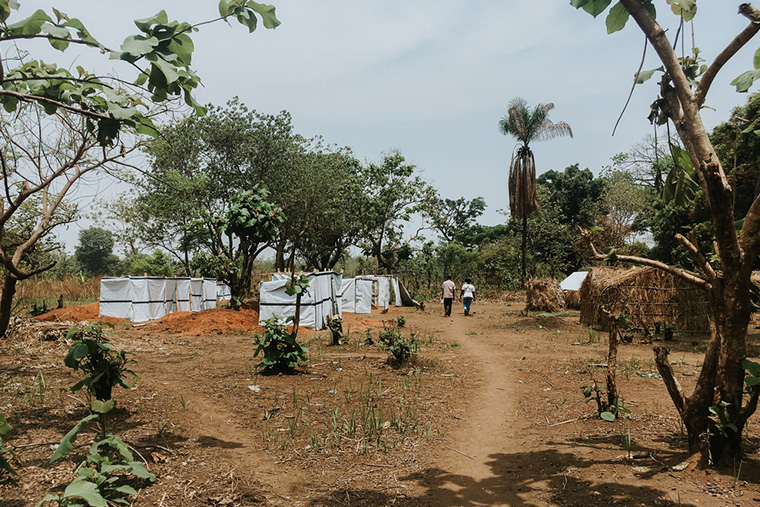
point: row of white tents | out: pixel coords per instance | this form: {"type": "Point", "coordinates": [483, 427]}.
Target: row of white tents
{"type": "Point", "coordinates": [141, 298]}
{"type": "Point", "coordinates": [330, 295]}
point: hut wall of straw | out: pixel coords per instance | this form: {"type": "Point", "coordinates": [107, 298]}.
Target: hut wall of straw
{"type": "Point", "coordinates": [544, 295]}
{"type": "Point", "coordinates": [573, 299]}
{"type": "Point", "coordinates": [647, 295]}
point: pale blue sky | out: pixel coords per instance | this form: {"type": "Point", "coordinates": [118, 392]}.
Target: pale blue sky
{"type": "Point", "coordinates": [432, 78]}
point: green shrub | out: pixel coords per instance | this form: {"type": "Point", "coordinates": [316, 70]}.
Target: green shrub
{"type": "Point", "coordinates": [103, 477]}
{"type": "Point", "coordinates": [400, 349]}
{"type": "Point", "coordinates": [4, 463]}
{"type": "Point", "coordinates": [103, 367]}
{"type": "Point", "coordinates": [282, 353]}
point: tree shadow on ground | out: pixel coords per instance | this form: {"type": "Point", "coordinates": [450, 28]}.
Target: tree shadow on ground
{"type": "Point", "coordinates": [527, 479]}
{"type": "Point", "coordinates": [208, 441]}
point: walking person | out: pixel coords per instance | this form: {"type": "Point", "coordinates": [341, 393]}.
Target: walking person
{"type": "Point", "coordinates": [467, 295]}
{"type": "Point", "coordinates": [447, 295]}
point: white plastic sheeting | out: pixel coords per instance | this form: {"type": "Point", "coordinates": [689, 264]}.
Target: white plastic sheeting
{"type": "Point", "coordinates": [321, 302]}
{"type": "Point", "coordinates": [356, 295]}
{"type": "Point", "coordinates": [574, 281]}
{"type": "Point", "coordinates": [141, 298]}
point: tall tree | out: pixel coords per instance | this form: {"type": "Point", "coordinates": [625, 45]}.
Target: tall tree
{"type": "Point", "coordinates": [94, 250]}
{"type": "Point", "coordinates": [527, 126]}
{"type": "Point", "coordinates": [392, 193]}
{"type": "Point", "coordinates": [716, 413]}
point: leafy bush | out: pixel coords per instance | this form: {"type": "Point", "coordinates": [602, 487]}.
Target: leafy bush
{"type": "Point", "coordinates": [282, 353]}
{"type": "Point", "coordinates": [400, 349]}
{"type": "Point", "coordinates": [4, 463]}
{"type": "Point", "coordinates": [103, 367]}
{"type": "Point", "coordinates": [401, 321]}
{"type": "Point", "coordinates": [102, 477]}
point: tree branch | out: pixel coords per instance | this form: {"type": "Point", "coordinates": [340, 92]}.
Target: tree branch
{"type": "Point", "coordinates": [750, 235]}
{"type": "Point", "coordinates": [671, 383]}
{"type": "Point", "coordinates": [686, 275]}
{"type": "Point", "coordinates": [44, 100]}
{"type": "Point", "coordinates": [739, 41]}
{"type": "Point", "coordinates": [700, 259]}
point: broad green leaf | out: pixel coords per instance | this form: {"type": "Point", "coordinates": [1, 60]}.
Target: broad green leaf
{"type": "Point", "coordinates": [756, 59]}
{"type": "Point", "coordinates": [31, 25]}
{"type": "Point", "coordinates": [685, 8]}
{"type": "Point", "coordinates": [649, 6]}
{"type": "Point", "coordinates": [617, 18]}
{"type": "Point", "coordinates": [138, 45]}
{"type": "Point", "coordinates": [60, 33]}
{"type": "Point", "coordinates": [103, 407]}
{"type": "Point", "coordinates": [67, 444]}
{"type": "Point", "coordinates": [167, 69]}
{"type": "Point", "coordinates": [745, 80]}
{"type": "Point", "coordinates": [87, 491]}
{"type": "Point", "coordinates": [158, 19]}
{"type": "Point", "coordinates": [266, 12]}
{"type": "Point", "coordinates": [596, 7]}
{"type": "Point", "coordinates": [182, 46]}
{"type": "Point", "coordinates": [4, 426]}
{"type": "Point", "coordinates": [224, 8]}
{"type": "Point", "coordinates": [751, 381]}
{"type": "Point", "coordinates": [6, 6]}
{"type": "Point", "coordinates": [752, 367]}
{"type": "Point", "coordinates": [247, 18]}
{"type": "Point", "coordinates": [607, 416]}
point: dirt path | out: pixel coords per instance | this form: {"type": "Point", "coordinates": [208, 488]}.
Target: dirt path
{"type": "Point", "coordinates": [471, 472]}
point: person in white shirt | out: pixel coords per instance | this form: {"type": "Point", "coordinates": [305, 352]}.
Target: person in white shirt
{"type": "Point", "coordinates": [467, 295]}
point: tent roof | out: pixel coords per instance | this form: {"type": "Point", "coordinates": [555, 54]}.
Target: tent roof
{"type": "Point", "coordinates": [574, 281]}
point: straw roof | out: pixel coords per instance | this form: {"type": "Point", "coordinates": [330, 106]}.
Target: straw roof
{"type": "Point", "coordinates": [647, 295]}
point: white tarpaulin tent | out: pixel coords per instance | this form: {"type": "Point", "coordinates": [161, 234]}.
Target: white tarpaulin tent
{"type": "Point", "coordinates": [141, 298]}
{"type": "Point", "coordinates": [356, 295]}
{"type": "Point", "coordinates": [574, 281]}
{"type": "Point", "coordinates": [321, 302]}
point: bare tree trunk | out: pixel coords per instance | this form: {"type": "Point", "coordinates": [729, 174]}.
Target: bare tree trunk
{"type": "Point", "coordinates": [6, 302]}
{"type": "Point", "coordinates": [612, 394]}
{"type": "Point", "coordinates": [524, 247]}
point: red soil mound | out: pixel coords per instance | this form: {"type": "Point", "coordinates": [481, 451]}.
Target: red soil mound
{"type": "Point", "coordinates": [89, 312]}
{"type": "Point", "coordinates": [218, 320]}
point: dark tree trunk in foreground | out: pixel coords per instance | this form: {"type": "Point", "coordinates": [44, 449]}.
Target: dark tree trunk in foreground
{"type": "Point", "coordinates": [6, 302]}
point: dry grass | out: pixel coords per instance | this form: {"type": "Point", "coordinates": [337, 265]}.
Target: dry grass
{"type": "Point", "coordinates": [49, 292]}
{"type": "Point", "coordinates": [544, 295]}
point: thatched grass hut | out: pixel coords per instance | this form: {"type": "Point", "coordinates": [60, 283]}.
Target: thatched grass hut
{"type": "Point", "coordinates": [544, 295]}
{"type": "Point", "coordinates": [648, 296]}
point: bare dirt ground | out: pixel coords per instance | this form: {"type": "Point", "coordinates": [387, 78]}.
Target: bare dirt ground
{"type": "Point", "coordinates": [490, 412]}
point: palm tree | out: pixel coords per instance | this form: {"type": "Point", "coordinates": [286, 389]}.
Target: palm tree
{"type": "Point", "coordinates": [527, 126]}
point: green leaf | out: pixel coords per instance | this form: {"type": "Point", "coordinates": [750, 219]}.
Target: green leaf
{"type": "Point", "coordinates": [266, 12]}
{"type": "Point", "coordinates": [87, 491]}
{"type": "Point", "coordinates": [31, 25]}
{"type": "Point", "coordinates": [685, 8]}
{"type": "Point", "coordinates": [6, 6]}
{"type": "Point", "coordinates": [617, 18]}
{"type": "Point", "coordinates": [59, 32]}
{"type": "Point", "coordinates": [158, 19]}
{"type": "Point", "coordinates": [103, 407]}
{"type": "Point", "coordinates": [4, 426]}
{"type": "Point", "coordinates": [607, 416]}
{"type": "Point", "coordinates": [67, 444]}
{"type": "Point", "coordinates": [138, 45]}
{"type": "Point", "coordinates": [744, 81]}
{"type": "Point", "coordinates": [224, 8]}
{"type": "Point", "coordinates": [645, 75]}
{"type": "Point", "coordinates": [596, 7]}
